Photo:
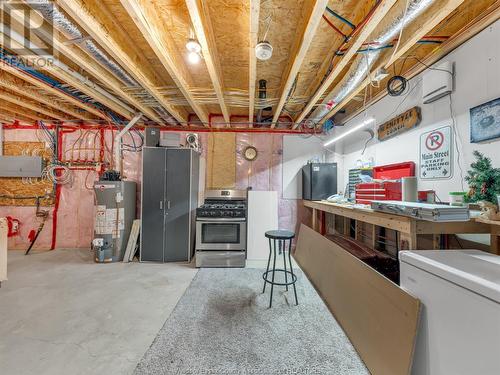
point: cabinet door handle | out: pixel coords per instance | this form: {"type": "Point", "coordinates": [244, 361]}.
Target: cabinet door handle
{"type": "Point", "coordinates": [168, 205]}
{"type": "Point", "coordinates": [161, 205]}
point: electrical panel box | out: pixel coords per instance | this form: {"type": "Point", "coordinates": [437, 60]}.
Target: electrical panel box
{"type": "Point", "coordinates": [152, 136]}
{"type": "Point", "coordinates": [21, 166]}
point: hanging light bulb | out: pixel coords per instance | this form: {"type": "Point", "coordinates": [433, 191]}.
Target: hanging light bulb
{"type": "Point", "coordinates": [194, 57]}
{"type": "Point", "coordinates": [192, 45]}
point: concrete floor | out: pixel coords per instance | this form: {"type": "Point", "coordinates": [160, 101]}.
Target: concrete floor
{"type": "Point", "coordinates": [60, 313]}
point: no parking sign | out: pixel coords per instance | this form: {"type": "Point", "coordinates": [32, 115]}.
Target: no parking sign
{"type": "Point", "coordinates": [435, 154]}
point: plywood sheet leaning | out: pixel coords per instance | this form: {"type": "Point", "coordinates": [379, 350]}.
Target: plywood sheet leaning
{"type": "Point", "coordinates": [20, 187]}
{"type": "Point", "coordinates": [378, 316]}
{"type": "Point", "coordinates": [221, 161]}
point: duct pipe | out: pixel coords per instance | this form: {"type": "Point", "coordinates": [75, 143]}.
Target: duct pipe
{"type": "Point", "coordinates": [262, 96]}
{"type": "Point", "coordinates": [18, 38]}
{"type": "Point", "coordinates": [51, 13]}
{"type": "Point", "coordinates": [118, 142]}
{"type": "Point", "coordinates": [362, 64]}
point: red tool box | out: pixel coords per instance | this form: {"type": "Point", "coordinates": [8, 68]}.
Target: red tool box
{"type": "Point", "coordinates": [389, 190]}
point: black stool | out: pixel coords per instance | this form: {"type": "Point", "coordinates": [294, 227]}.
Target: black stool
{"type": "Point", "coordinates": [280, 236]}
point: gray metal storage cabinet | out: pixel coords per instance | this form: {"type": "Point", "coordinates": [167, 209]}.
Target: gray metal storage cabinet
{"type": "Point", "coordinates": [169, 201]}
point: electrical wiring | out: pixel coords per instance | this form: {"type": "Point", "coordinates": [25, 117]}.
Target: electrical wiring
{"type": "Point", "coordinates": [134, 147]}
{"type": "Point", "coordinates": [456, 139]}
{"type": "Point", "coordinates": [430, 67]}
{"type": "Point", "coordinates": [59, 174]}
{"type": "Point", "coordinates": [396, 85]}
{"type": "Point", "coordinates": [403, 24]}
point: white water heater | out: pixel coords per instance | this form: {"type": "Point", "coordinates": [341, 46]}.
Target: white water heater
{"type": "Point", "coordinates": [115, 213]}
{"type": "Point", "coordinates": [437, 82]}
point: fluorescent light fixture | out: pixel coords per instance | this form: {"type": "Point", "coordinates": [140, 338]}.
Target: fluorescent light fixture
{"type": "Point", "coordinates": [350, 131]}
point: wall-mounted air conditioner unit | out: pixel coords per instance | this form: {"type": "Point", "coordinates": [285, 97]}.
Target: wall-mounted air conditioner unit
{"type": "Point", "coordinates": [437, 82]}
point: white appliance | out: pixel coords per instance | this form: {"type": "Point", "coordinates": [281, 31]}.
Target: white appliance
{"type": "Point", "coordinates": [459, 330]}
{"type": "Point", "coordinates": [262, 216]}
{"type": "Point", "coordinates": [437, 82]}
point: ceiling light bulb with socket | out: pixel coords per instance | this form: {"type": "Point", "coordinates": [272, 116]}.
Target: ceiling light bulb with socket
{"type": "Point", "coordinates": [192, 45]}
{"type": "Point", "coordinates": [194, 57]}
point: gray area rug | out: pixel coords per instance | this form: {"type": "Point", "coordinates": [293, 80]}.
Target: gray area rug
{"type": "Point", "coordinates": [222, 325]}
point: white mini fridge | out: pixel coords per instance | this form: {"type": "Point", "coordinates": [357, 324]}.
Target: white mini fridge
{"type": "Point", "coordinates": [459, 329]}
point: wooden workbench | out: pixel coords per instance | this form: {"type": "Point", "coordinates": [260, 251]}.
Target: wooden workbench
{"type": "Point", "coordinates": [494, 232]}
{"type": "Point", "coordinates": [408, 228]}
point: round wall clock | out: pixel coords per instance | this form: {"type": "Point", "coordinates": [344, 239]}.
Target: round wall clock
{"type": "Point", "coordinates": [250, 153]}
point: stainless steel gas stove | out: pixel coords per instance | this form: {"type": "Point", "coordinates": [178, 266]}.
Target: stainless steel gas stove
{"type": "Point", "coordinates": [221, 229]}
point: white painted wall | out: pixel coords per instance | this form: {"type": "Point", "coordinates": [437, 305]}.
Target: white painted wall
{"type": "Point", "coordinates": [477, 80]}
{"type": "Point", "coordinates": [297, 151]}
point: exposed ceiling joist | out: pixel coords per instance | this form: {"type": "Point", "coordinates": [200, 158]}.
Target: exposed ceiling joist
{"type": "Point", "coordinates": [378, 15]}
{"type": "Point", "coordinates": [486, 18]}
{"type": "Point", "coordinates": [30, 105]}
{"type": "Point", "coordinates": [67, 98]}
{"type": "Point", "coordinates": [252, 66]}
{"type": "Point", "coordinates": [64, 73]}
{"type": "Point", "coordinates": [20, 112]}
{"type": "Point", "coordinates": [73, 53]}
{"type": "Point", "coordinates": [306, 38]}
{"type": "Point", "coordinates": [84, 14]}
{"type": "Point", "coordinates": [20, 88]}
{"type": "Point", "coordinates": [203, 29]}
{"type": "Point", "coordinates": [436, 13]}
{"type": "Point", "coordinates": [146, 17]}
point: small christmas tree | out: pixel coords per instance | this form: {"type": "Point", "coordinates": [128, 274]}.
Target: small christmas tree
{"type": "Point", "coordinates": [483, 180]}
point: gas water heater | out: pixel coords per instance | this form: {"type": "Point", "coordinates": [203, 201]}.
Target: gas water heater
{"type": "Point", "coordinates": [114, 215]}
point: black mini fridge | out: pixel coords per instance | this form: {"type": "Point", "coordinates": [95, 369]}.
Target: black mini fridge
{"type": "Point", "coordinates": [319, 181]}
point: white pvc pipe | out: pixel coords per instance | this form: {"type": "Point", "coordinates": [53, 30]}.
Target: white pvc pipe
{"type": "Point", "coordinates": [118, 141]}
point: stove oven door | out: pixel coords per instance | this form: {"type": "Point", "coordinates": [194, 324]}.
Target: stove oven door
{"type": "Point", "coordinates": [220, 234]}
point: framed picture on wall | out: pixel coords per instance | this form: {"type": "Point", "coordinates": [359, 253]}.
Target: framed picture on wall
{"type": "Point", "coordinates": [485, 121]}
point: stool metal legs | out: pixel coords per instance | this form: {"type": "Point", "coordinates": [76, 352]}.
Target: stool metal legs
{"type": "Point", "coordinates": [274, 271]}
{"type": "Point", "coordinates": [272, 252]}
{"type": "Point", "coordinates": [267, 269]}
{"type": "Point", "coordinates": [291, 270]}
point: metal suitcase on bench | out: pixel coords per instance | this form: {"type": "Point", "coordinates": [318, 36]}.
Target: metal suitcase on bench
{"type": "Point", "coordinates": [423, 211]}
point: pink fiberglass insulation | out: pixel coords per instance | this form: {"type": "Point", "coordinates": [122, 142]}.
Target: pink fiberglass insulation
{"type": "Point", "coordinates": [76, 208]}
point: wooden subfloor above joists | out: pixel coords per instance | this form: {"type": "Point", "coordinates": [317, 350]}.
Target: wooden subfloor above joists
{"type": "Point", "coordinates": [84, 14]}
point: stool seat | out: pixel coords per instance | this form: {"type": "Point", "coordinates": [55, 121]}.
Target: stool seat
{"type": "Point", "coordinates": [280, 234]}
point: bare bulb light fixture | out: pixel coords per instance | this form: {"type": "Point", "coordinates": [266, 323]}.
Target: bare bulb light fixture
{"type": "Point", "coordinates": [194, 57]}
{"type": "Point", "coordinates": [192, 45]}
{"type": "Point", "coordinates": [194, 51]}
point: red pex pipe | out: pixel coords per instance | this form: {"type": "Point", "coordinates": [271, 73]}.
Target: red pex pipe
{"type": "Point", "coordinates": [334, 27]}
{"type": "Point", "coordinates": [58, 193]}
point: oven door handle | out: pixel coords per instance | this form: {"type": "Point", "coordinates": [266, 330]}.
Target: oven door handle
{"type": "Point", "coordinates": [221, 219]}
